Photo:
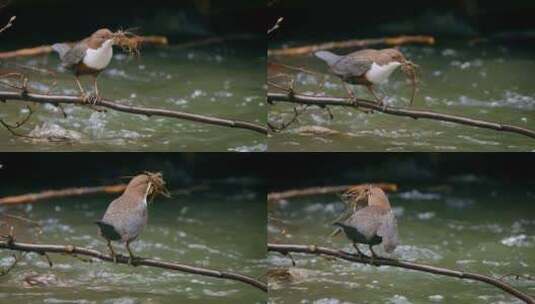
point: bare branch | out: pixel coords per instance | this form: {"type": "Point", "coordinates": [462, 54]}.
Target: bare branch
{"type": "Point", "coordinates": [46, 49]}
{"type": "Point", "coordinates": [48, 194]}
{"type": "Point", "coordinates": [322, 101]}
{"type": "Point", "coordinates": [313, 249]}
{"type": "Point", "coordinates": [288, 194]}
{"type": "Point", "coordinates": [139, 261]}
{"type": "Point", "coordinates": [77, 100]}
{"type": "Point", "coordinates": [390, 41]}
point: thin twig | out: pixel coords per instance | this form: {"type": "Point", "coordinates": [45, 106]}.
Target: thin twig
{"type": "Point", "coordinates": [316, 250]}
{"type": "Point", "coordinates": [276, 26]}
{"type": "Point", "coordinates": [322, 101]}
{"type": "Point", "coordinates": [138, 261]}
{"type": "Point", "coordinates": [9, 24]}
{"type": "Point", "coordinates": [77, 100]}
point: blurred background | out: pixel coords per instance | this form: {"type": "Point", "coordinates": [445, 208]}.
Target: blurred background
{"type": "Point", "coordinates": [40, 21]}
{"type": "Point", "coordinates": [467, 18]}
{"type": "Point", "coordinates": [480, 66]}
{"type": "Point", "coordinates": [214, 64]}
{"type": "Point", "coordinates": [215, 219]}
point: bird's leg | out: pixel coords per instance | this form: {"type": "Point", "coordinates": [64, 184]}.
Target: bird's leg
{"type": "Point", "coordinates": [113, 255]}
{"type": "Point", "coordinates": [84, 95]}
{"type": "Point", "coordinates": [380, 101]}
{"type": "Point", "coordinates": [131, 257]}
{"type": "Point", "coordinates": [95, 84]}
{"type": "Point", "coordinates": [354, 99]}
{"type": "Point", "coordinates": [80, 87]}
{"type": "Point", "coordinates": [361, 254]}
{"type": "Point", "coordinates": [374, 256]}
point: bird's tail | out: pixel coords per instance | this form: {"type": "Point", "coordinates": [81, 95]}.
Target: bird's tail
{"type": "Point", "coordinates": [108, 231]}
{"type": "Point", "coordinates": [61, 49]}
{"type": "Point", "coordinates": [328, 57]}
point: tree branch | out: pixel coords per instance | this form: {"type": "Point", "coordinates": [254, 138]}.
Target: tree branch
{"type": "Point", "coordinates": [277, 196]}
{"type": "Point", "coordinates": [313, 249]}
{"type": "Point", "coordinates": [73, 250]}
{"type": "Point", "coordinates": [390, 41]}
{"type": "Point", "coordinates": [48, 194]}
{"type": "Point", "coordinates": [45, 49]}
{"type": "Point", "coordinates": [323, 101]}
{"type": "Point", "coordinates": [77, 100]}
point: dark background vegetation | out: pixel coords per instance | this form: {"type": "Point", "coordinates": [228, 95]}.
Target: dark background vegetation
{"type": "Point", "coordinates": [229, 171]}
{"type": "Point", "coordinates": [39, 21]}
{"type": "Point", "coordinates": [274, 171]}
{"type": "Point", "coordinates": [316, 169]}
{"type": "Point", "coordinates": [317, 20]}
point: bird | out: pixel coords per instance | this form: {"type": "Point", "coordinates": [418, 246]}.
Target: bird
{"type": "Point", "coordinates": [368, 68]}
{"type": "Point", "coordinates": [372, 224]}
{"type": "Point", "coordinates": [89, 56]}
{"type": "Point", "coordinates": [127, 215]}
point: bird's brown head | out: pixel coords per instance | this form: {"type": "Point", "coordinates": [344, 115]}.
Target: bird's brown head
{"type": "Point", "coordinates": [99, 37]}
{"type": "Point", "coordinates": [377, 197]}
{"type": "Point", "coordinates": [147, 184]}
{"type": "Point", "coordinates": [395, 55]}
{"type": "Point", "coordinates": [357, 196]}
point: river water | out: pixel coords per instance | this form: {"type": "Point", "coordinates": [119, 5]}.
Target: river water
{"type": "Point", "coordinates": [217, 230]}
{"type": "Point", "coordinates": [469, 226]}
{"type": "Point", "coordinates": [221, 80]}
{"type": "Point", "coordinates": [484, 81]}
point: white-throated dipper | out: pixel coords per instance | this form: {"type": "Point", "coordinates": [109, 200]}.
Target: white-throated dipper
{"type": "Point", "coordinates": [368, 68]}
{"type": "Point", "coordinates": [127, 215]}
{"type": "Point", "coordinates": [90, 56]}
{"type": "Point", "coordinates": [373, 224]}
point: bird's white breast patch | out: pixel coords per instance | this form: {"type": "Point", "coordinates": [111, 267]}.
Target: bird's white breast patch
{"type": "Point", "coordinates": [100, 58]}
{"type": "Point", "coordinates": [378, 74]}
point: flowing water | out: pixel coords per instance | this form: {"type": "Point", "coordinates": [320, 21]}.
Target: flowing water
{"type": "Point", "coordinates": [482, 81]}
{"type": "Point", "coordinates": [224, 231]}
{"type": "Point", "coordinates": [471, 226]}
{"type": "Point", "coordinates": [221, 80]}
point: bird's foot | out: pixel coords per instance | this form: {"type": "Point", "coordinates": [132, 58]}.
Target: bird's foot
{"type": "Point", "coordinates": [92, 99]}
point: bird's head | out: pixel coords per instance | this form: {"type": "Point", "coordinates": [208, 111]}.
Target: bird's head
{"type": "Point", "coordinates": [356, 197]}
{"type": "Point", "coordinates": [377, 197]}
{"type": "Point", "coordinates": [100, 37]}
{"type": "Point", "coordinates": [148, 184]}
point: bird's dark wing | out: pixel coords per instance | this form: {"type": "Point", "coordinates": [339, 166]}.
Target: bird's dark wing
{"type": "Point", "coordinates": [75, 55]}
{"type": "Point", "coordinates": [108, 231]}
{"type": "Point", "coordinates": [349, 66]}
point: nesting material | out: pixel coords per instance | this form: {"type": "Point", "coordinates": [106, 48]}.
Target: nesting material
{"type": "Point", "coordinates": [409, 68]}
{"type": "Point", "coordinates": [128, 41]}
{"type": "Point", "coordinates": [157, 185]}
